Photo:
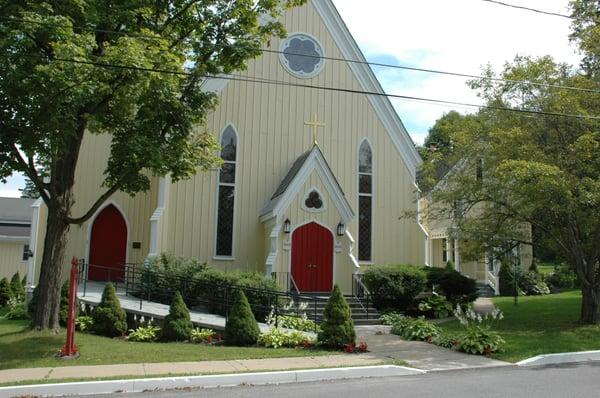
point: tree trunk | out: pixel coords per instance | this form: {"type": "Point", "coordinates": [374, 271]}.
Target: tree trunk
{"type": "Point", "coordinates": [46, 315]}
{"type": "Point", "coordinates": [590, 305]}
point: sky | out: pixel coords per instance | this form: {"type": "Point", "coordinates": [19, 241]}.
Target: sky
{"type": "Point", "coordinates": [456, 36]}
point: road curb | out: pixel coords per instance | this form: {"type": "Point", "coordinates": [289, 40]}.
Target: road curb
{"type": "Point", "coordinates": [564, 357]}
{"type": "Point", "coordinates": [228, 380]}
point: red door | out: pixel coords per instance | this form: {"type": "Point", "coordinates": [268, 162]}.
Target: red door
{"type": "Point", "coordinates": [312, 258]}
{"type": "Point", "coordinates": [108, 246]}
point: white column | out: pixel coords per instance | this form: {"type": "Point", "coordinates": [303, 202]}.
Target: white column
{"type": "Point", "coordinates": [448, 251]}
{"type": "Point", "coordinates": [456, 255]}
{"type": "Point", "coordinates": [33, 237]}
{"type": "Point", "coordinates": [157, 220]}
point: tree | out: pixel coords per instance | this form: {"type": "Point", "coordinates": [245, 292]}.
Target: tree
{"type": "Point", "coordinates": [241, 327]}
{"type": "Point", "coordinates": [17, 288]}
{"type": "Point", "coordinates": [131, 69]}
{"type": "Point", "coordinates": [534, 164]}
{"type": "Point", "coordinates": [177, 325]}
{"type": "Point", "coordinates": [110, 319]}
{"type": "Point", "coordinates": [5, 292]}
{"type": "Point", "coordinates": [29, 191]}
{"type": "Point", "coordinates": [337, 329]}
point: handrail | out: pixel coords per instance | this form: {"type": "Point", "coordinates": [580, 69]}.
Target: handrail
{"type": "Point", "coordinates": [293, 283]}
{"type": "Point", "coordinates": [360, 291]}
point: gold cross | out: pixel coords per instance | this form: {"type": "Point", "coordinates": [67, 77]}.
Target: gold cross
{"type": "Point", "coordinates": [315, 124]}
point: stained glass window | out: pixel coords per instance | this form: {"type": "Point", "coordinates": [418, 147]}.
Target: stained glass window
{"type": "Point", "coordinates": [302, 55]}
{"type": "Point", "coordinates": [365, 202]}
{"type": "Point", "coordinates": [314, 201]}
{"type": "Point", "coordinates": [225, 214]}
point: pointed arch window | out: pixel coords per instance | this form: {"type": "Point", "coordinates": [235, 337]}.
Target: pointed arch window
{"type": "Point", "coordinates": [365, 201]}
{"type": "Point", "coordinates": [226, 198]}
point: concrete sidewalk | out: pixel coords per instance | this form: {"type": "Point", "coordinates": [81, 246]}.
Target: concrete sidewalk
{"type": "Point", "coordinates": [185, 368]}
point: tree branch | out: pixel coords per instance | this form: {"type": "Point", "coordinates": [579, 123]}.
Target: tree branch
{"type": "Point", "coordinates": [31, 172]}
{"type": "Point", "coordinates": [92, 210]}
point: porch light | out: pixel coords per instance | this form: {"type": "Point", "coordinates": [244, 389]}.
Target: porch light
{"type": "Point", "coordinates": [341, 229]}
{"type": "Point", "coordinates": [287, 226]}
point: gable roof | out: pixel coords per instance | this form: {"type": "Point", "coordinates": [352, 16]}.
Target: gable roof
{"type": "Point", "coordinates": [366, 78]}
{"type": "Point", "coordinates": [293, 181]}
{"type": "Point", "coordinates": [16, 210]}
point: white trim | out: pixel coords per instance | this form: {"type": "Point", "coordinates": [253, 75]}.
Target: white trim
{"type": "Point", "coordinates": [90, 226]}
{"type": "Point", "coordinates": [351, 243]}
{"type": "Point", "coordinates": [333, 252]}
{"type": "Point", "coordinates": [157, 216]}
{"type": "Point", "coordinates": [235, 192]}
{"type": "Point", "coordinates": [382, 105]}
{"type": "Point", "coordinates": [309, 210]}
{"type": "Point", "coordinates": [314, 162]}
{"type": "Point", "coordinates": [284, 62]}
{"type": "Point", "coordinates": [15, 239]}
{"type": "Point", "coordinates": [35, 225]}
{"type": "Point", "coordinates": [271, 259]}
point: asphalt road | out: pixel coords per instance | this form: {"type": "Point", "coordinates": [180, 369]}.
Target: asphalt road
{"type": "Point", "coordinates": [564, 381]}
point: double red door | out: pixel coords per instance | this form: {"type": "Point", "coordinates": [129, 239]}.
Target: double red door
{"type": "Point", "coordinates": [108, 246]}
{"type": "Point", "coordinates": [312, 258]}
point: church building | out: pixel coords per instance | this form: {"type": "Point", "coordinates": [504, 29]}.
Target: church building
{"type": "Point", "coordinates": [314, 182]}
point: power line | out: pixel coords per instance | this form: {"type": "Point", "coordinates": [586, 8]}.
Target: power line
{"type": "Point", "coordinates": [554, 14]}
{"type": "Point", "coordinates": [260, 80]}
{"type": "Point", "coordinates": [337, 59]}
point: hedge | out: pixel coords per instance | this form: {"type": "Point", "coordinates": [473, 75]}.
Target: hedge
{"type": "Point", "coordinates": [394, 286]}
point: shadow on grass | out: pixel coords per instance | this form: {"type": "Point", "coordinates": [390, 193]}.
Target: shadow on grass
{"type": "Point", "coordinates": [21, 352]}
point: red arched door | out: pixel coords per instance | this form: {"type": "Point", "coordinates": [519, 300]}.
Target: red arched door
{"type": "Point", "coordinates": [108, 246]}
{"type": "Point", "coordinates": [312, 258]}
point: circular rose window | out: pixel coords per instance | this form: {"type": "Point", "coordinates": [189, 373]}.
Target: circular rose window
{"type": "Point", "coordinates": [302, 55]}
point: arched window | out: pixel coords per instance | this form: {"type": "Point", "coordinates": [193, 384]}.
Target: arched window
{"type": "Point", "coordinates": [226, 199]}
{"type": "Point", "coordinates": [365, 201]}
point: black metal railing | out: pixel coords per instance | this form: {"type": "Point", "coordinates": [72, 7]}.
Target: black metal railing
{"type": "Point", "coordinates": [151, 285]}
{"type": "Point", "coordinates": [361, 294]}
{"type": "Point", "coordinates": [286, 281]}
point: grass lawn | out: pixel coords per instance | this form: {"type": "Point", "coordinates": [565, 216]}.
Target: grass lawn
{"type": "Point", "coordinates": [21, 348]}
{"type": "Point", "coordinates": [541, 325]}
{"type": "Point", "coordinates": [546, 268]}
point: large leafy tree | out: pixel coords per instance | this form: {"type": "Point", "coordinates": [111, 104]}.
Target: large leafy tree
{"type": "Point", "coordinates": [534, 169]}
{"type": "Point", "coordinates": [72, 67]}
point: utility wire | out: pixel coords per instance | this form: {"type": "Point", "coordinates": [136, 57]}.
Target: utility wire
{"type": "Point", "coordinates": [260, 80]}
{"type": "Point", "coordinates": [350, 61]}
{"type": "Point", "coordinates": [554, 14]}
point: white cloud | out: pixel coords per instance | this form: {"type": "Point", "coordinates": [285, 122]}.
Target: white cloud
{"type": "Point", "coordinates": [458, 36]}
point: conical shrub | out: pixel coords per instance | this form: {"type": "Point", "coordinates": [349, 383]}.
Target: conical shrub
{"type": "Point", "coordinates": [241, 328]}
{"type": "Point", "coordinates": [337, 329]}
{"type": "Point", "coordinates": [5, 292]}
{"type": "Point", "coordinates": [177, 326]}
{"type": "Point", "coordinates": [18, 291]}
{"type": "Point", "coordinates": [109, 317]}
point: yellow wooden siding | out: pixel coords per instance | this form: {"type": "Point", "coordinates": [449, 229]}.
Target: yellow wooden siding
{"type": "Point", "coordinates": [11, 256]}
{"type": "Point", "coordinates": [269, 121]}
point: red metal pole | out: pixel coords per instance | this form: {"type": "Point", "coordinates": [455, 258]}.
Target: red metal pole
{"type": "Point", "coordinates": [70, 349]}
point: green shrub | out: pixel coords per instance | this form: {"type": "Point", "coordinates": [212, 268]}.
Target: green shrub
{"type": "Point", "coordinates": [394, 286]}
{"type": "Point", "coordinates": [164, 275]}
{"type": "Point", "coordinates": [17, 311]}
{"type": "Point", "coordinates": [418, 329]}
{"type": "Point", "coordinates": [241, 328]}
{"type": "Point", "coordinates": [202, 335]}
{"type": "Point", "coordinates": [177, 326]}
{"type": "Point", "coordinates": [391, 317]}
{"type": "Point", "coordinates": [436, 307]}
{"type": "Point", "coordinates": [277, 338]}
{"type": "Point", "coordinates": [5, 292]}
{"type": "Point", "coordinates": [563, 277]}
{"type": "Point", "coordinates": [84, 323]}
{"type": "Point", "coordinates": [532, 285]}
{"type": "Point", "coordinates": [455, 286]}
{"type": "Point", "coordinates": [144, 334]}
{"type": "Point", "coordinates": [480, 341]}
{"type": "Point", "coordinates": [337, 329]}
{"type": "Point", "coordinates": [109, 318]}
{"type": "Point", "coordinates": [211, 287]}
{"type": "Point", "coordinates": [445, 340]}
{"type": "Point", "coordinates": [507, 275]}
{"type": "Point", "coordinates": [17, 288]}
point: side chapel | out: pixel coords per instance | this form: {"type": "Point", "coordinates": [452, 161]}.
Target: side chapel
{"type": "Point", "coordinates": [313, 185]}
